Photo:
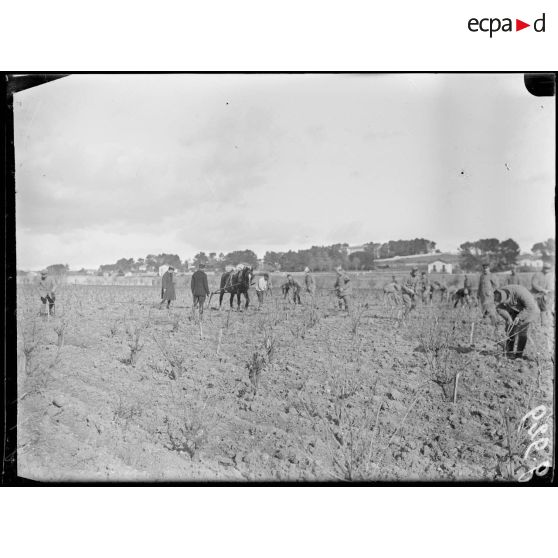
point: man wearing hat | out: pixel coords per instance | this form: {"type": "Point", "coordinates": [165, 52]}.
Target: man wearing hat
{"type": "Point", "coordinates": [200, 288]}
{"type": "Point", "coordinates": [541, 286]}
{"type": "Point", "coordinates": [343, 288]}
{"type": "Point", "coordinates": [167, 287]}
{"type": "Point", "coordinates": [485, 293]}
{"type": "Point", "coordinates": [309, 283]}
{"type": "Point", "coordinates": [409, 290]}
{"type": "Point", "coordinates": [46, 288]}
{"type": "Point", "coordinates": [519, 309]}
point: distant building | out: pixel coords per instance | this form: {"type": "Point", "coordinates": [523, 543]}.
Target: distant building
{"type": "Point", "coordinates": [353, 249]}
{"type": "Point", "coordinates": [526, 260]}
{"type": "Point", "coordinates": [439, 266]}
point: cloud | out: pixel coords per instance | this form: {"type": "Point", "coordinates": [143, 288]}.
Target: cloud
{"type": "Point", "coordinates": [123, 165]}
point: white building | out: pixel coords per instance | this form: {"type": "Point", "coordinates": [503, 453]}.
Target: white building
{"type": "Point", "coordinates": [529, 261]}
{"type": "Point", "coordinates": [439, 266]}
{"type": "Point", "coordinates": [353, 249]}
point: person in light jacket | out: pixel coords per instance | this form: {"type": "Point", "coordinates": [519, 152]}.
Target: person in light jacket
{"type": "Point", "coordinates": [46, 288]}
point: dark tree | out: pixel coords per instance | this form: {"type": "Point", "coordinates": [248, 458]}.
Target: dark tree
{"type": "Point", "coordinates": [240, 256]}
{"type": "Point", "coordinates": [361, 260]}
{"type": "Point", "coordinates": [546, 250]}
{"type": "Point", "coordinates": [500, 255]}
{"type": "Point", "coordinates": [58, 269]}
{"type": "Point", "coordinates": [200, 258]}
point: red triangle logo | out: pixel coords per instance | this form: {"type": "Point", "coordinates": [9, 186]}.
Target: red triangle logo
{"type": "Point", "coordinates": [519, 25]}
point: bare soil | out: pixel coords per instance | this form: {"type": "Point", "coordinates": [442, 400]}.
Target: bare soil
{"type": "Point", "coordinates": [330, 396]}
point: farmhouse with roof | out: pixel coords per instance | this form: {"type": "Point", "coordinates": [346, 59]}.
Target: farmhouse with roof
{"type": "Point", "coordinates": [440, 266]}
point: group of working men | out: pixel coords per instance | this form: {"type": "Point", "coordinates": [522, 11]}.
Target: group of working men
{"type": "Point", "coordinates": [342, 288]}
{"type": "Point", "coordinates": [513, 302]}
{"type": "Point", "coordinates": [423, 289]}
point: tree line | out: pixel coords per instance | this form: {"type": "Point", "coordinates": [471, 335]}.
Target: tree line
{"type": "Point", "coordinates": [500, 254]}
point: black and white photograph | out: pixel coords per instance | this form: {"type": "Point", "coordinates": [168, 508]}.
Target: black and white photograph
{"type": "Point", "coordinates": [284, 277]}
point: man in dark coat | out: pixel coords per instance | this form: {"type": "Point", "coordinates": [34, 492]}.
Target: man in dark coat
{"type": "Point", "coordinates": [519, 309]}
{"type": "Point", "coordinates": [200, 288]}
{"type": "Point", "coordinates": [167, 287]}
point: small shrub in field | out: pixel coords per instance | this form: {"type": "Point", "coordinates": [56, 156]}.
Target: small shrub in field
{"type": "Point", "coordinates": [113, 328]}
{"type": "Point", "coordinates": [60, 329]}
{"type": "Point", "coordinates": [270, 345]}
{"type": "Point", "coordinates": [190, 433]}
{"type": "Point", "coordinates": [29, 339]}
{"type": "Point", "coordinates": [134, 338]}
{"type": "Point", "coordinates": [175, 321]}
{"type": "Point", "coordinates": [438, 340]}
{"type": "Point", "coordinates": [349, 430]}
{"type": "Point", "coordinates": [312, 317]}
{"type": "Point", "coordinates": [255, 366]}
{"type": "Point", "coordinates": [356, 317]}
{"type": "Point", "coordinates": [298, 329]}
{"type": "Point", "coordinates": [124, 413]}
{"type": "Point", "coordinates": [177, 360]}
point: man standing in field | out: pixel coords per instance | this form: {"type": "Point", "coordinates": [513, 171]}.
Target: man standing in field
{"type": "Point", "coordinates": [541, 287]}
{"type": "Point", "coordinates": [343, 288]}
{"type": "Point", "coordinates": [309, 283]}
{"type": "Point", "coordinates": [167, 287]}
{"type": "Point", "coordinates": [47, 288]}
{"type": "Point", "coordinates": [519, 309]}
{"type": "Point", "coordinates": [487, 284]}
{"type": "Point", "coordinates": [409, 289]}
{"type": "Point", "coordinates": [262, 285]}
{"type": "Point", "coordinates": [200, 289]}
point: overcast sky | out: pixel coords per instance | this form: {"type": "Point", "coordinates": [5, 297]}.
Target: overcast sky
{"type": "Point", "coordinates": [112, 166]}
